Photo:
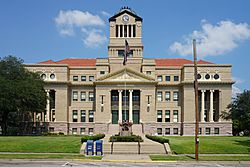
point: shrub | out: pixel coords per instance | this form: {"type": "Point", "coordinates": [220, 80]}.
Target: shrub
{"type": "Point", "coordinates": [158, 139]}
{"type": "Point", "coordinates": [94, 137]}
{"type": "Point", "coordinates": [133, 138]}
{"type": "Point", "coordinates": [49, 134]}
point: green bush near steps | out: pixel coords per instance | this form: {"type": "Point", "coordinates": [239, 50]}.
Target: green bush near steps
{"type": "Point", "coordinates": [158, 139]}
{"type": "Point", "coordinates": [132, 138]}
{"type": "Point", "coordinates": [94, 137]}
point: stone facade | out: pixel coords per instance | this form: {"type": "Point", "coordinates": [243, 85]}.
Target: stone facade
{"type": "Point", "coordinates": [89, 96]}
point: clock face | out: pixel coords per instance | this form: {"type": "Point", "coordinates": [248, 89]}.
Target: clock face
{"type": "Point", "coordinates": [125, 18]}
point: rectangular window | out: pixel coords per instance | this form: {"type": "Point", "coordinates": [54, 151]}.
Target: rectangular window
{"type": "Point", "coordinates": [75, 95]}
{"type": "Point", "coordinates": [114, 98]}
{"type": "Point", "coordinates": [208, 131]}
{"type": "Point", "coordinates": [83, 116]}
{"type": "Point", "coordinates": [91, 131]}
{"type": "Point", "coordinates": [216, 131]}
{"type": "Point", "coordinates": [175, 119]}
{"type": "Point", "coordinates": [129, 30]}
{"type": "Point", "coordinates": [116, 31]}
{"type": "Point", "coordinates": [167, 96]}
{"type": "Point", "coordinates": [51, 129]}
{"type": "Point", "coordinates": [159, 131]}
{"type": "Point", "coordinates": [167, 116]}
{"type": "Point", "coordinates": [121, 31]}
{"type": "Point", "coordinates": [159, 78]}
{"type": "Point", "coordinates": [125, 31]}
{"type": "Point", "coordinates": [82, 131]}
{"type": "Point", "coordinates": [167, 131]}
{"type": "Point", "coordinates": [176, 96]}
{"type": "Point", "coordinates": [200, 131]}
{"type": "Point", "coordinates": [74, 131]}
{"type": "Point", "coordinates": [159, 115]}
{"type": "Point", "coordinates": [83, 96]}
{"type": "Point", "coordinates": [74, 116]}
{"type": "Point", "coordinates": [83, 78]}
{"type": "Point", "coordinates": [176, 78]}
{"type": "Point", "coordinates": [175, 131]}
{"type": "Point", "coordinates": [159, 96]}
{"type": "Point", "coordinates": [167, 78]}
{"type": "Point", "coordinates": [102, 72]}
{"type": "Point", "coordinates": [120, 53]}
{"type": "Point", "coordinates": [91, 78]}
{"type": "Point", "coordinates": [91, 116]}
{"type": "Point", "coordinates": [148, 72]}
{"type": "Point", "coordinates": [53, 115]}
{"type": "Point", "coordinates": [134, 31]}
{"type": "Point", "coordinates": [75, 78]}
{"type": "Point", "coordinates": [91, 96]}
{"type": "Point", "coordinates": [148, 99]}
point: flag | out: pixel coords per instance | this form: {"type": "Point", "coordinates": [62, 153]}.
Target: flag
{"type": "Point", "coordinates": [126, 52]}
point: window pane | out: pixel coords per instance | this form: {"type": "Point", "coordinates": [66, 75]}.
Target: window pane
{"type": "Point", "coordinates": [75, 95]}
{"type": "Point", "coordinates": [159, 78]}
{"type": "Point", "coordinates": [159, 131]}
{"type": "Point", "coordinates": [91, 116]}
{"type": "Point", "coordinates": [74, 116]}
{"type": "Point", "coordinates": [91, 96]}
{"type": "Point", "coordinates": [175, 131]}
{"type": "Point", "coordinates": [175, 119]}
{"type": "Point", "coordinates": [167, 96]}
{"type": "Point", "coordinates": [83, 116]}
{"type": "Point", "coordinates": [167, 131]}
{"type": "Point", "coordinates": [159, 96]}
{"type": "Point", "coordinates": [82, 131]}
{"type": "Point", "coordinates": [91, 78]}
{"type": "Point", "coordinates": [176, 96]}
{"type": "Point", "coordinates": [83, 96]}
{"type": "Point", "coordinates": [159, 115]}
{"type": "Point", "coordinates": [176, 78]}
{"type": "Point", "coordinates": [75, 78]}
{"type": "Point", "coordinates": [167, 116]}
{"type": "Point", "coordinates": [208, 130]}
{"type": "Point", "coordinates": [83, 78]}
{"type": "Point", "coordinates": [167, 78]}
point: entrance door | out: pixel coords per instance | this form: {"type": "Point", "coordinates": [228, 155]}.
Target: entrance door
{"type": "Point", "coordinates": [114, 117]}
{"type": "Point", "coordinates": [125, 115]}
{"type": "Point", "coordinates": [136, 117]}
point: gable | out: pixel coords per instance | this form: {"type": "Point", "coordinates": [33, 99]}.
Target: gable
{"type": "Point", "coordinates": [126, 75]}
{"type": "Point", "coordinates": [127, 11]}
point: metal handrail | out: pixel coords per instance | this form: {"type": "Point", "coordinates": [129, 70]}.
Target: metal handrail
{"type": "Point", "coordinates": [139, 147]}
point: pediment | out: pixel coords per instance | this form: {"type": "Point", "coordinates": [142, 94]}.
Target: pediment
{"type": "Point", "coordinates": [126, 75]}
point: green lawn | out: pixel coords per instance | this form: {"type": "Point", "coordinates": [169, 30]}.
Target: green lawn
{"type": "Point", "coordinates": [41, 144]}
{"type": "Point", "coordinates": [201, 158]}
{"type": "Point", "coordinates": [211, 144]}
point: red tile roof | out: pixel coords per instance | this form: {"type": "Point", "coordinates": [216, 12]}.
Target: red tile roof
{"type": "Point", "coordinates": [177, 62]}
{"type": "Point", "coordinates": [72, 62]}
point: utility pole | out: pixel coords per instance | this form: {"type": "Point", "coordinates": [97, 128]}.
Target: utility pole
{"type": "Point", "coordinates": [196, 103]}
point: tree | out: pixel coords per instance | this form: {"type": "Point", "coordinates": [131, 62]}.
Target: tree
{"type": "Point", "coordinates": [239, 113]}
{"type": "Point", "coordinates": [21, 92]}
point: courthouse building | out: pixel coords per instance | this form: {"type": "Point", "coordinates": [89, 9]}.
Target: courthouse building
{"type": "Point", "coordinates": [89, 96]}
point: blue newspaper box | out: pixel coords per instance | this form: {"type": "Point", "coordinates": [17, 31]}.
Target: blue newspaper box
{"type": "Point", "coordinates": [98, 146]}
{"type": "Point", "coordinates": [90, 147]}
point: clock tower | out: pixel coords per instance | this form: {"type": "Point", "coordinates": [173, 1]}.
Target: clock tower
{"type": "Point", "coordinates": [125, 25]}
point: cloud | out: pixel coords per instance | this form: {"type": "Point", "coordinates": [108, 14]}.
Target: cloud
{"type": "Point", "coordinates": [213, 40]}
{"type": "Point", "coordinates": [106, 14]}
{"type": "Point", "coordinates": [238, 80]}
{"type": "Point", "coordinates": [235, 91]}
{"type": "Point", "coordinates": [94, 38]}
{"type": "Point", "coordinates": [71, 22]}
{"type": "Point", "coordinates": [78, 18]}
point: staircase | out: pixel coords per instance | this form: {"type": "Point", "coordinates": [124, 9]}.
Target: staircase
{"type": "Point", "coordinates": [146, 147]}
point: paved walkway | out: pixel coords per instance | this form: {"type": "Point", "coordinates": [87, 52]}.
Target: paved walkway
{"type": "Point", "coordinates": [126, 157]}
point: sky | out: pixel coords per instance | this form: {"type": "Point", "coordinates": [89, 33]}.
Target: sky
{"type": "Point", "coordinates": [36, 30]}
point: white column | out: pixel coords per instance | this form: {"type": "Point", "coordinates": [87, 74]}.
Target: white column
{"type": "Point", "coordinates": [120, 106]}
{"type": "Point", "coordinates": [202, 104]}
{"type": "Point", "coordinates": [47, 107]}
{"type": "Point", "coordinates": [130, 106]}
{"type": "Point", "coordinates": [211, 106]}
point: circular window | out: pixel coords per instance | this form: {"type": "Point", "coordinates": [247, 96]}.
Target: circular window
{"type": "Point", "coordinates": [207, 76]}
{"type": "Point", "coordinates": [52, 76]}
{"type": "Point", "coordinates": [43, 76]}
{"type": "Point", "coordinates": [216, 76]}
{"type": "Point", "coordinates": [199, 76]}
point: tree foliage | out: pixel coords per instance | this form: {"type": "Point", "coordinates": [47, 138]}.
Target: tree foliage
{"type": "Point", "coordinates": [240, 113]}
{"type": "Point", "coordinates": [21, 93]}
